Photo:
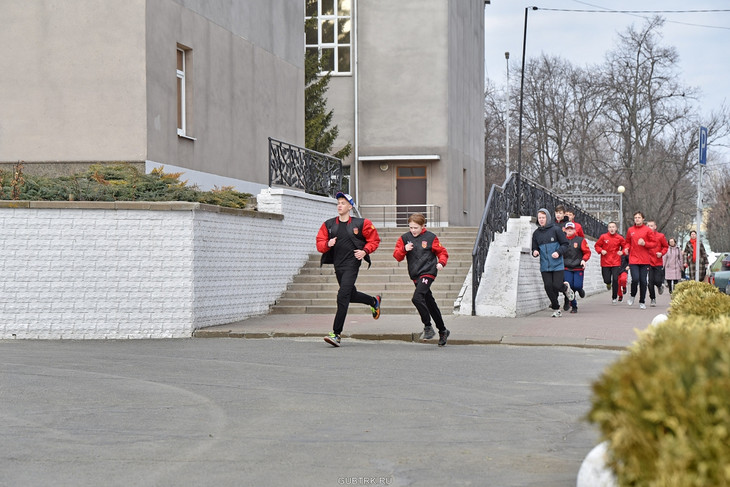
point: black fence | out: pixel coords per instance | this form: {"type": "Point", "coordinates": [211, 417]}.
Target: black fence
{"type": "Point", "coordinates": [296, 167]}
{"type": "Point", "coordinates": [516, 197]}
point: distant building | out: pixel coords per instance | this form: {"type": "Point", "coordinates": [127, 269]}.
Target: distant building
{"type": "Point", "coordinates": [195, 85]}
{"type": "Point", "coordinates": [408, 91]}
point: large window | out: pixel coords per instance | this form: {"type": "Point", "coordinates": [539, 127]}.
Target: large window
{"type": "Point", "coordinates": [328, 33]}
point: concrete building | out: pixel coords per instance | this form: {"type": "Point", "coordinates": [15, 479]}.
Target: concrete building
{"type": "Point", "coordinates": [407, 90]}
{"type": "Point", "coordinates": [194, 85]}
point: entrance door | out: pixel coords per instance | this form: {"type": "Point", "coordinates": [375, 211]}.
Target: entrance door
{"type": "Point", "coordinates": [410, 193]}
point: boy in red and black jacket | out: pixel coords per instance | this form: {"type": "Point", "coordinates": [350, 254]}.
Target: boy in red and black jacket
{"type": "Point", "coordinates": [640, 242]}
{"type": "Point", "coordinates": [426, 256]}
{"type": "Point", "coordinates": [345, 242]}
{"type": "Point", "coordinates": [575, 259]}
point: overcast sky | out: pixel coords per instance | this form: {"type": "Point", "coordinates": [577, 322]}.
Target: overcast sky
{"type": "Point", "coordinates": [583, 38]}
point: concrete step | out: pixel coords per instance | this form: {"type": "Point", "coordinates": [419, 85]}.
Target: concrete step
{"type": "Point", "coordinates": [330, 286]}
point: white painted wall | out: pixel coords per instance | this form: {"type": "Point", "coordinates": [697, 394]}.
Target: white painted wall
{"type": "Point", "coordinates": [83, 270]}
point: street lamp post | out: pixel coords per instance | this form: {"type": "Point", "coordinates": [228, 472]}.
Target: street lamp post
{"type": "Point", "coordinates": [506, 120]}
{"type": "Point", "coordinates": [522, 93]}
{"type": "Point", "coordinates": [621, 190]}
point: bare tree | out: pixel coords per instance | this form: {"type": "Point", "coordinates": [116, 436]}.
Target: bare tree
{"type": "Point", "coordinates": [718, 215]}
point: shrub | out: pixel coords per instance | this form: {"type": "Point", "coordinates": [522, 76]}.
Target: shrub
{"type": "Point", "coordinates": [115, 182]}
{"type": "Point", "coordinates": [665, 405]}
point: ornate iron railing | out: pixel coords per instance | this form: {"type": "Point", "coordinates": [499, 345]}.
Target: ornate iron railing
{"type": "Point", "coordinates": [502, 203]}
{"type": "Point", "coordinates": [297, 167]}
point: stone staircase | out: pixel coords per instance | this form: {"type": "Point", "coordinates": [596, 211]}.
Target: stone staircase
{"type": "Point", "coordinates": [314, 289]}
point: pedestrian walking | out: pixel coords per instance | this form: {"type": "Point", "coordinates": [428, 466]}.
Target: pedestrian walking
{"type": "Point", "coordinates": [610, 247]}
{"type": "Point", "coordinates": [346, 241]}
{"type": "Point", "coordinates": [673, 268]}
{"type": "Point", "coordinates": [690, 257]}
{"type": "Point", "coordinates": [425, 256]}
{"type": "Point", "coordinates": [549, 243]}
{"type": "Point", "coordinates": [639, 244]}
{"type": "Point", "coordinates": [571, 218]}
{"type": "Point", "coordinates": [575, 259]}
{"type": "Point", "coordinates": [656, 269]}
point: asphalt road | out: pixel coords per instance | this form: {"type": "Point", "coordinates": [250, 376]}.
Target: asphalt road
{"type": "Point", "coordinates": [293, 411]}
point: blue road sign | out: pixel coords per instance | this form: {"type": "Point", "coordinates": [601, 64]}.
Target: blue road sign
{"type": "Point", "coordinates": [703, 145]}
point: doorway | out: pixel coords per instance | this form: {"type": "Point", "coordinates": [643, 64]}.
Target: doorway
{"type": "Point", "coordinates": [410, 189]}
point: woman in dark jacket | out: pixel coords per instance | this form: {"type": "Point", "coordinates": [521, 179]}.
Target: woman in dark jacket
{"type": "Point", "coordinates": [549, 243]}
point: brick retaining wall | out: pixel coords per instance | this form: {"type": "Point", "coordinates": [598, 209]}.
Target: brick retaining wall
{"type": "Point", "coordinates": [78, 270]}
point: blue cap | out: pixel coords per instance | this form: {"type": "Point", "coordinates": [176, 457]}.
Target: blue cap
{"type": "Point", "coordinates": [346, 196]}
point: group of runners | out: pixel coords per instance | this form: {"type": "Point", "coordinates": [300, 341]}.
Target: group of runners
{"type": "Point", "coordinates": [345, 241]}
{"type": "Point", "coordinates": [643, 254]}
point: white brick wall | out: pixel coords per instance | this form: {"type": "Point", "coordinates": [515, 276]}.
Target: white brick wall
{"type": "Point", "coordinates": [147, 270]}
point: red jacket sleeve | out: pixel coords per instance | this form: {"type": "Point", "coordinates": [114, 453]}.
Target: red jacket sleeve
{"type": "Point", "coordinates": [400, 250]}
{"type": "Point", "coordinates": [372, 239]}
{"type": "Point", "coordinates": [441, 254]}
{"type": "Point", "coordinates": [598, 245]}
{"type": "Point", "coordinates": [586, 250]}
{"type": "Point", "coordinates": [323, 237]}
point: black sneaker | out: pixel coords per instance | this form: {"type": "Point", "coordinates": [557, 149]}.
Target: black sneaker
{"type": "Point", "coordinates": [333, 339]}
{"type": "Point", "coordinates": [573, 310]}
{"type": "Point", "coordinates": [376, 309]}
{"type": "Point", "coordinates": [443, 335]}
{"type": "Point", "coordinates": [428, 333]}
{"type": "Point", "coordinates": [566, 304]}
{"type": "Point", "coordinates": [661, 289]}
{"type": "Point", "coordinates": [581, 293]}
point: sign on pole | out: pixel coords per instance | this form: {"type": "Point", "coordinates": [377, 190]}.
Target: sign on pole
{"type": "Point", "coordinates": [703, 146]}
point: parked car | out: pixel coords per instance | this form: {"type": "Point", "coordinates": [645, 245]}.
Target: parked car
{"type": "Point", "coordinates": [722, 281]}
{"type": "Point", "coordinates": [721, 263]}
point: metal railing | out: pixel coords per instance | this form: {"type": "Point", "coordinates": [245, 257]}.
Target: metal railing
{"type": "Point", "coordinates": [297, 167]}
{"type": "Point", "coordinates": [397, 215]}
{"type": "Point", "coordinates": [502, 203]}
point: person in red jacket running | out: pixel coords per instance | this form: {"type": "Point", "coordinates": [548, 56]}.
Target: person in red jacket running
{"type": "Point", "coordinates": [610, 247]}
{"type": "Point", "coordinates": [656, 271]}
{"type": "Point", "coordinates": [575, 259]}
{"type": "Point", "coordinates": [426, 256]}
{"type": "Point", "coordinates": [639, 245]}
{"type": "Point", "coordinates": [345, 242]}
{"type": "Point", "coordinates": [571, 218]}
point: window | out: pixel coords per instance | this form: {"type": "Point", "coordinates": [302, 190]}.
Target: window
{"type": "Point", "coordinates": [327, 32]}
{"type": "Point", "coordinates": [183, 91]}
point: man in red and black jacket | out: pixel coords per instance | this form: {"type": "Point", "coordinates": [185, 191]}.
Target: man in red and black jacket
{"type": "Point", "coordinates": [345, 241]}
{"type": "Point", "coordinates": [610, 247]}
{"type": "Point", "coordinates": [656, 271]}
{"type": "Point", "coordinates": [639, 245]}
{"type": "Point", "coordinates": [575, 259]}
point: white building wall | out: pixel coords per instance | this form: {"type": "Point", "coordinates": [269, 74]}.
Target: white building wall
{"type": "Point", "coordinates": [147, 270]}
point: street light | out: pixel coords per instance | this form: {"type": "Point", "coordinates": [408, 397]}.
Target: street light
{"type": "Point", "coordinates": [621, 190]}
{"type": "Point", "coordinates": [506, 119]}
{"type": "Point", "coordinates": [522, 92]}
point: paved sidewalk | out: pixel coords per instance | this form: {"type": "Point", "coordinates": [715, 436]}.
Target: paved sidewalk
{"type": "Point", "coordinates": [598, 324]}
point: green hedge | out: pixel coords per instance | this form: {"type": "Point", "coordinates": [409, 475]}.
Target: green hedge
{"type": "Point", "coordinates": [664, 407]}
{"type": "Point", "coordinates": [115, 182]}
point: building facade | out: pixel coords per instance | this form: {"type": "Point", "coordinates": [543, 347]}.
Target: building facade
{"type": "Point", "coordinates": [195, 85]}
{"type": "Point", "coordinates": [407, 90]}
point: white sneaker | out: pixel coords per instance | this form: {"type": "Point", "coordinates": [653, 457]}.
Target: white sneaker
{"type": "Point", "coordinates": [630, 301]}
{"type": "Point", "coordinates": [642, 306]}
{"type": "Point", "coordinates": [569, 292]}
{"type": "Point", "coordinates": [557, 314]}
{"type": "Point", "coordinates": [653, 303]}
{"type": "Point", "coordinates": [614, 301]}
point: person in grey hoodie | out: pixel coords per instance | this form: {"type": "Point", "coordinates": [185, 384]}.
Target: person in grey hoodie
{"type": "Point", "coordinates": [549, 243]}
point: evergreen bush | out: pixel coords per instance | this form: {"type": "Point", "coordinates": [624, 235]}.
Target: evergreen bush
{"type": "Point", "coordinates": [114, 182]}
{"type": "Point", "coordinates": [665, 405]}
